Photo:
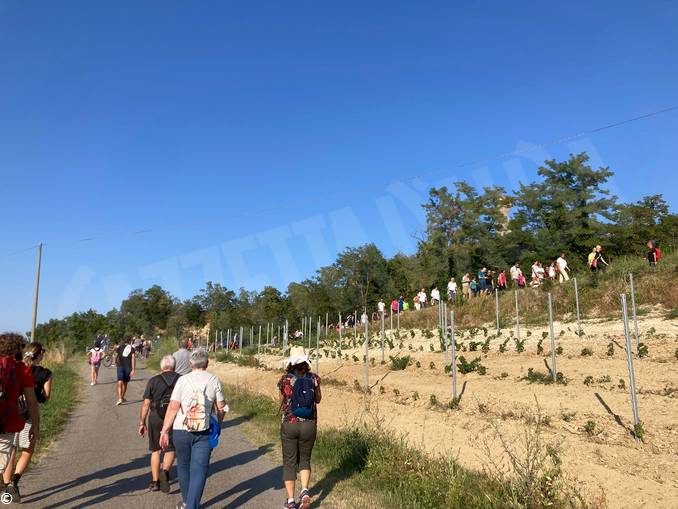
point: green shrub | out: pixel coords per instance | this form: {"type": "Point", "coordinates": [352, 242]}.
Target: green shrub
{"type": "Point", "coordinates": [400, 363]}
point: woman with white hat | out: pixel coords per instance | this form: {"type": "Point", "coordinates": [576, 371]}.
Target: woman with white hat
{"type": "Point", "coordinates": [299, 396]}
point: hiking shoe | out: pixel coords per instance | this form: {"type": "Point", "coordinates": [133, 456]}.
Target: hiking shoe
{"type": "Point", "coordinates": [304, 499]}
{"type": "Point", "coordinates": [290, 505]}
{"type": "Point", "coordinates": [13, 490]}
{"type": "Point", "coordinates": [163, 482]}
{"type": "Point", "coordinates": [154, 486]}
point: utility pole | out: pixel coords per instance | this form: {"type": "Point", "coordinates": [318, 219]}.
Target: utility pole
{"type": "Point", "coordinates": [37, 293]}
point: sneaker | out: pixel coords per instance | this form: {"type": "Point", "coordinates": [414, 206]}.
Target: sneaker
{"type": "Point", "coordinates": [93, 383]}
{"type": "Point", "coordinates": [154, 486]}
{"type": "Point", "coordinates": [304, 499]}
{"type": "Point", "coordinates": [163, 481]}
{"type": "Point", "coordinates": [119, 402]}
{"type": "Point", "coordinates": [13, 490]}
{"type": "Point", "coordinates": [180, 505]}
{"type": "Point", "coordinates": [290, 505]}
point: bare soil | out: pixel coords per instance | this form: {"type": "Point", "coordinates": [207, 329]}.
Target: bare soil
{"type": "Point", "coordinates": [609, 466]}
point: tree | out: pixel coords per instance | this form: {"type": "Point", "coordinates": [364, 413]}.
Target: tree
{"type": "Point", "coordinates": [363, 276]}
{"type": "Point", "coordinates": [569, 210]}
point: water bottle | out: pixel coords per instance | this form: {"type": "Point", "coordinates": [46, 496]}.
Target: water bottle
{"type": "Point", "coordinates": [215, 431]}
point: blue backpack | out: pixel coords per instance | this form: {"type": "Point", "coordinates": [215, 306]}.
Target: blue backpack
{"type": "Point", "coordinates": [303, 397]}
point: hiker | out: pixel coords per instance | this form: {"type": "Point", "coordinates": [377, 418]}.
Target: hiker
{"type": "Point", "coordinates": [563, 269]}
{"type": "Point", "coordinates": [466, 286]}
{"type": "Point", "coordinates": [32, 357]}
{"type": "Point", "coordinates": [401, 304]}
{"type": "Point", "coordinates": [515, 273]}
{"type": "Point", "coordinates": [182, 365]}
{"type": "Point", "coordinates": [552, 271]}
{"type": "Point", "coordinates": [422, 298]}
{"type": "Point", "coordinates": [381, 307]}
{"type": "Point", "coordinates": [452, 290]}
{"type": "Point", "coordinates": [194, 416]}
{"type": "Point", "coordinates": [156, 400]}
{"type": "Point", "coordinates": [16, 381]}
{"type": "Point", "coordinates": [654, 254]}
{"type": "Point", "coordinates": [94, 357]}
{"type": "Point", "coordinates": [299, 396]}
{"type": "Point", "coordinates": [480, 281]}
{"type": "Point", "coordinates": [473, 285]}
{"type": "Point", "coordinates": [501, 280]}
{"type": "Point", "coordinates": [435, 296]}
{"type": "Point", "coordinates": [126, 363]}
{"type": "Point", "coordinates": [395, 306]}
{"type": "Point", "coordinates": [591, 261]}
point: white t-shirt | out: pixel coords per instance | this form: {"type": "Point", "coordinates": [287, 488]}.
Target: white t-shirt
{"type": "Point", "coordinates": [381, 306]}
{"type": "Point", "coordinates": [435, 294]}
{"type": "Point", "coordinates": [197, 379]}
{"type": "Point", "coordinates": [452, 286]}
{"type": "Point", "coordinates": [562, 263]}
{"type": "Point", "coordinates": [422, 296]}
{"type": "Point", "coordinates": [514, 271]}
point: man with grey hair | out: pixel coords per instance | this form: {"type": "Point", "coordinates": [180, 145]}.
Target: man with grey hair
{"type": "Point", "coordinates": [196, 409]}
{"type": "Point", "coordinates": [156, 400]}
{"type": "Point", "coordinates": [182, 358]}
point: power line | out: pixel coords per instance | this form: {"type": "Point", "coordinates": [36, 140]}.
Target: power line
{"type": "Point", "coordinates": [351, 193]}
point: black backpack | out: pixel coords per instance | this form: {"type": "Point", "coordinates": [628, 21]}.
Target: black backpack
{"type": "Point", "coordinates": [160, 405]}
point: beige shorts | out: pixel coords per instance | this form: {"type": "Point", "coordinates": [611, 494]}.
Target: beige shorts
{"type": "Point", "coordinates": [6, 446]}
{"type": "Point", "coordinates": [21, 439]}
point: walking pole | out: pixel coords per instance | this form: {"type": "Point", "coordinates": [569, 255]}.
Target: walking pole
{"type": "Point", "coordinates": [576, 299]}
{"type": "Point", "coordinates": [629, 362]}
{"type": "Point", "coordinates": [36, 294]}
{"type": "Point", "coordinates": [496, 305]}
{"type": "Point", "coordinates": [633, 310]}
{"type": "Point", "coordinates": [317, 348]}
{"type": "Point", "coordinates": [517, 317]}
{"type": "Point", "coordinates": [382, 336]}
{"type": "Point", "coordinates": [454, 357]}
{"type": "Point", "coordinates": [367, 355]}
{"type": "Point", "coordinates": [445, 331]}
{"type": "Point", "coordinates": [554, 369]}
{"type": "Point", "coordinates": [355, 324]}
{"type": "Point", "coordinates": [341, 326]}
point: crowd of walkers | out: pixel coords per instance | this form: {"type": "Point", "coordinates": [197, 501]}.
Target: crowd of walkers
{"type": "Point", "coordinates": [24, 386]}
{"type": "Point", "coordinates": [485, 281]}
{"type": "Point", "coordinates": [182, 412]}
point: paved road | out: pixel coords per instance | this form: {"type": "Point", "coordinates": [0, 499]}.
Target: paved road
{"type": "Point", "coordinates": [100, 461]}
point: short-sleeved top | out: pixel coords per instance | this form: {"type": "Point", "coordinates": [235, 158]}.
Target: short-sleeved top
{"type": "Point", "coordinates": [186, 385]}
{"type": "Point", "coordinates": [182, 361]}
{"type": "Point", "coordinates": [24, 377]}
{"type": "Point", "coordinates": [41, 375]}
{"type": "Point", "coordinates": [158, 385]}
{"type": "Point", "coordinates": [285, 385]}
{"type": "Point", "coordinates": [122, 360]}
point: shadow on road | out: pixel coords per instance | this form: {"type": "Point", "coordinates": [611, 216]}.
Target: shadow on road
{"type": "Point", "coordinates": [246, 489]}
{"type": "Point", "coordinates": [103, 492]}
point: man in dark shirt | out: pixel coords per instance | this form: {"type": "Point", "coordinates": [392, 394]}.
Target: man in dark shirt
{"type": "Point", "coordinates": [156, 398]}
{"type": "Point", "coordinates": [125, 361]}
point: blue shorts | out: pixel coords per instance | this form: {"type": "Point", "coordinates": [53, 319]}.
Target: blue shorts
{"type": "Point", "coordinates": [123, 374]}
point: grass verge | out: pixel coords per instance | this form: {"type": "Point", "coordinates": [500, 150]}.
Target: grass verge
{"type": "Point", "coordinates": [392, 474]}
{"type": "Point", "coordinates": [54, 414]}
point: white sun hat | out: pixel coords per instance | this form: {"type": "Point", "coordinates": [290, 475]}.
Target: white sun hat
{"type": "Point", "coordinates": [297, 356]}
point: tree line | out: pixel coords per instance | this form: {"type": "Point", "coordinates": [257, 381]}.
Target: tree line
{"type": "Point", "coordinates": [567, 209]}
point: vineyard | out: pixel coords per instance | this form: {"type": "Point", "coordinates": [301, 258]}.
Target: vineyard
{"type": "Point", "coordinates": [504, 379]}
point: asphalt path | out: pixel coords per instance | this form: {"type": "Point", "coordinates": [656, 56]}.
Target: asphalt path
{"type": "Point", "coordinates": [101, 461]}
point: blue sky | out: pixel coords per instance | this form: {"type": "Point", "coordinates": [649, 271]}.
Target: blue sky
{"type": "Point", "coordinates": [249, 142]}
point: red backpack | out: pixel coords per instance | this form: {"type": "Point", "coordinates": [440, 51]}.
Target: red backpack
{"type": "Point", "coordinates": [9, 393]}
